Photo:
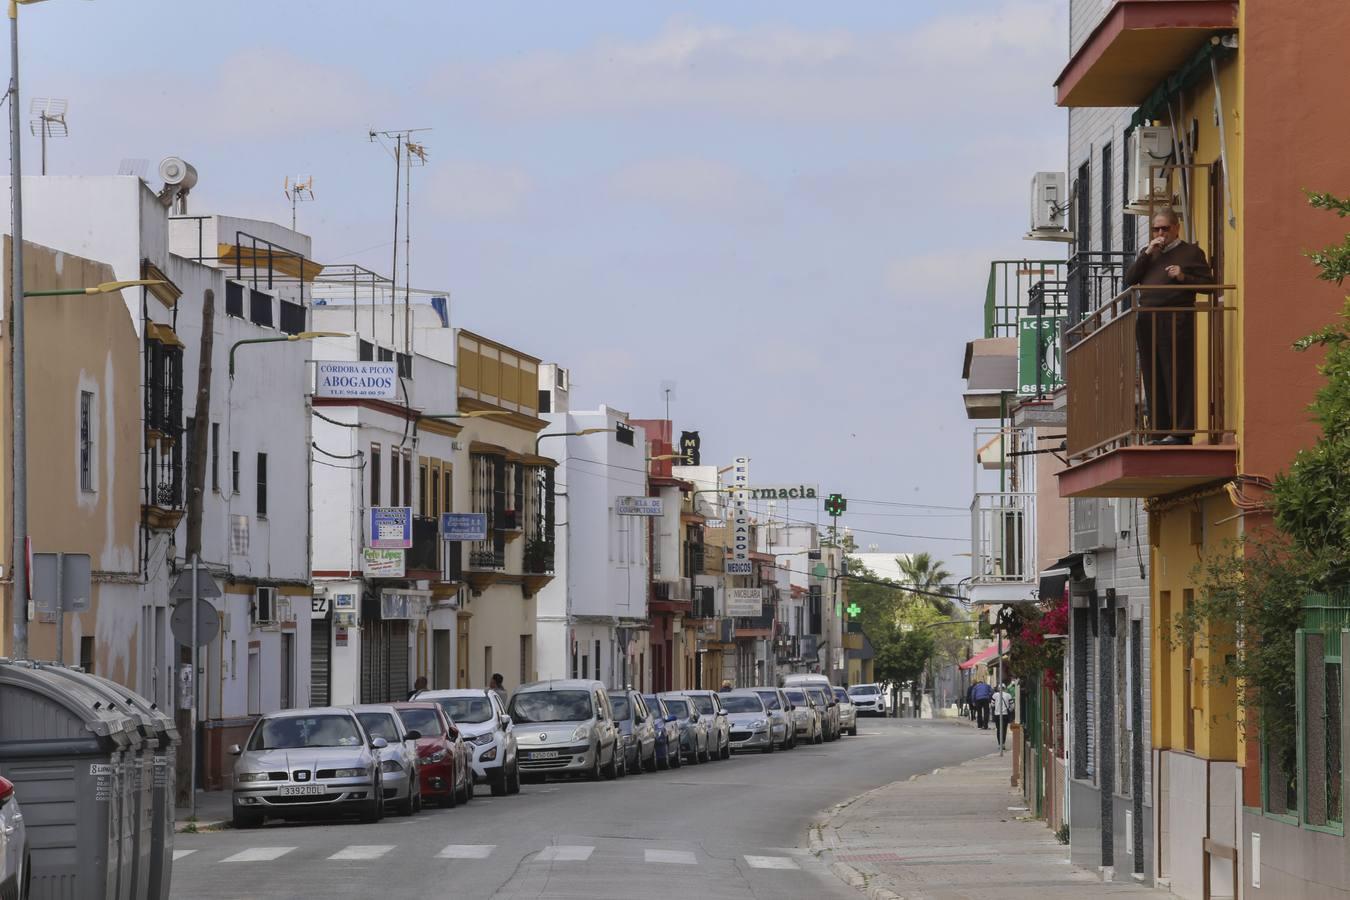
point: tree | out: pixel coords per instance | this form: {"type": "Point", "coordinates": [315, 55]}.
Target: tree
{"type": "Point", "coordinates": [926, 574]}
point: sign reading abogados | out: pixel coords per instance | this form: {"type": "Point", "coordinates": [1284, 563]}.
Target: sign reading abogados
{"type": "Point", "coordinates": [365, 379]}
{"type": "Point", "coordinates": [784, 492]}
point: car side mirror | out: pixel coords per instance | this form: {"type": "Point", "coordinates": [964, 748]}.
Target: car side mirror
{"type": "Point", "coordinates": [721, 712]}
{"type": "Point", "coordinates": [413, 735]}
{"type": "Point", "coordinates": [378, 743]}
{"type": "Point", "coordinates": [236, 750]}
{"type": "Point", "coordinates": [505, 721]}
{"type": "Point", "coordinates": [454, 733]}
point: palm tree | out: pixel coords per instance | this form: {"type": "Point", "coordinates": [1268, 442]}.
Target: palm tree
{"type": "Point", "coordinates": [923, 573]}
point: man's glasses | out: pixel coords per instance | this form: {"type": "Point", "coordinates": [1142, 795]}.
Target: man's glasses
{"type": "Point", "coordinates": [1162, 227]}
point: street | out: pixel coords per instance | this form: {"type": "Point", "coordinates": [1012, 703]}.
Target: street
{"type": "Point", "coordinates": [732, 829]}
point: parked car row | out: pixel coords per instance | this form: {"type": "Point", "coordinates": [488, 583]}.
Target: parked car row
{"type": "Point", "coordinates": [363, 760]}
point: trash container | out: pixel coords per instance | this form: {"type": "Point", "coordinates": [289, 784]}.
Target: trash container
{"type": "Point", "coordinates": [151, 841]}
{"type": "Point", "coordinates": [68, 751]}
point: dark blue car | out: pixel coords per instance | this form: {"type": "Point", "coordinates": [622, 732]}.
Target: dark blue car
{"type": "Point", "coordinates": [668, 754]}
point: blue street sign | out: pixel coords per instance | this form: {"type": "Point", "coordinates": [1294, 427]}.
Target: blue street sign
{"type": "Point", "coordinates": [390, 527]}
{"type": "Point", "coordinates": [464, 526]}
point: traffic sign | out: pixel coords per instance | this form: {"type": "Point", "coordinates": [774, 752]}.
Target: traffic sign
{"type": "Point", "coordinates": [208, 622]}
{"type": "Point", "coordinates": [61, 581]}
{"type": "Point", "coordinates": [182, 585]}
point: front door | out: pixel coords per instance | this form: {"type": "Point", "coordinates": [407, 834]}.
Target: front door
{"type": "Point", "coordinates": [462, 653]}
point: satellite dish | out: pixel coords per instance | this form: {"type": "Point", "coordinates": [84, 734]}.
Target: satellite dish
{"type": "Point", "coordinates": [178, 172]}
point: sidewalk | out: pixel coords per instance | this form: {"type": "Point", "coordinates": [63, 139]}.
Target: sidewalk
{"type": "Point", "coordinates": [213, 813]}
{"type": "Point", "coordinates": [953, 835]}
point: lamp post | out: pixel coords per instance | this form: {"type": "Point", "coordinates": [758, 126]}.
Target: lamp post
{"type": "Point", "coordinates": [289, 338]}
{"type": "Point", "coordinates": [580, 433]}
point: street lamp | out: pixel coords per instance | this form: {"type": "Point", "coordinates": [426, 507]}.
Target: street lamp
{"type": "Point", "coordinates": [287, 338]}
{"type": "Point", "coordinates": [580, 433]}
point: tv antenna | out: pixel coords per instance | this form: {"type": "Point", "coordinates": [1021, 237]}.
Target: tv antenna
{"type": "Point", "coordinates": [668, 393]}
{"type": "Point", "coordinates": [299, 189]}
{"type": "Point", "coordinates": [49, 120]}
{"type": "Point", "coordinates": [407, 153]}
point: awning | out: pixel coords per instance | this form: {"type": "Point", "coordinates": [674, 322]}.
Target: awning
{"type": "Point", "coordinates": [285, 261]}
{"type": "Point", "coordinates": [985, 655]}
{"type": "Point", "coordinates": [162, 333]}
{"type": "Point", "coordinates": [1055, 578]}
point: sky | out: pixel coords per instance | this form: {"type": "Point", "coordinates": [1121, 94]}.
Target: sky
{"type": "Point", "coordinates": [785, 208]}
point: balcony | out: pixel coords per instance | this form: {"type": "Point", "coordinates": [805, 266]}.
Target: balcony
{"type": "Point", "coordinates": [537, 565]}
{"type": "Point", "coordinates": [759, 626]}
{"type": "Point", "coordinates": [1093, 280]}
{"type": "Point", "coordinates": [1003, 547]}
{"type": "Point", "coordinates": [162, 508]}
{"type": "Point", "coordinates": [1016, 288]}
{"type": "Point", "coordinates": [424, 554]}
{"type": "Point", "coordinates": [1151, 396]}
{"type": "Point", "coordinates": [1137, 46]}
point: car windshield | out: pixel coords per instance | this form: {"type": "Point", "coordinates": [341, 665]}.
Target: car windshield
{"type": "Point", "coordinates": [538, 707]}
{"type": "Point", "coordinates": [796, 697]}
{"type": "Point", "coordinates": [299, 732]}
{"type": "Point", "coordinates": [841, 695]}
{"type": "Point", "coordinates": [466, 709]}
{"type": "Point", "coordinates": [743, 703]}
{"type": "Point", "coordinates": [863, 690]}
{"type": "Point", "coordinates": [770, 699]}
{"type": "Point", "coordinates": [621, 706]}
{"type": "Point", "coordinates": [703, 704]}
{"type": "Point", "coordinates": [654, 704]}
{"type": "Point", "coordinates": [817, 695]}
{"type": "Point", "coordinates": [424, 721]}
{"type": "Point", "coordinates": [379, 724]}
{"type": "Point", "coordinates": [678, 708]}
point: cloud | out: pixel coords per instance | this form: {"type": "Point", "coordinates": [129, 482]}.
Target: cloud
{"type": "Point", "coordinates": [695, 186]}
{"type": "Point", "coordinates": [474, 190]}
{"type": "Point", "coordinates": [787, 74]}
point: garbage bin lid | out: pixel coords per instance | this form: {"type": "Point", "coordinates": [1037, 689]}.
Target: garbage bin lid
{"type": "Point", "coordinates": [153, 718]}
{"type": "Point", "coordinates": [116, 696]}
{"type": "Point", "coordinates": [98, 717]}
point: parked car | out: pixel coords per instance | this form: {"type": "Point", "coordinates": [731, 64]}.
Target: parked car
{"type": "Point", "coordinates": [693, 731]}
{"type": "Point", "coordinates": [805, 715]}
{"type": "Point", "coordinates": [779, 708]}
{"type": "Point", "coordinates": [300, 762]}
{"type": "Point", "coordinates": [829, 710]}
{"type": "Point", "coordinates": [668, 755]}
{"type": "Point", "coordinates": [442, 755]}
{"type": "Point", "coordinates": [848, 713]}
{"type": "Point", "coordinates": [488, 733]}
{"type": "Point", "coordinates": [868, 699]}
{"type": "Point", "coordinates": [710, 711]}
{"type": "Point", "coordinates": [14, 860]}
{"type": "Point", "coordinates": [637, 727]}
{"type": "Point", "coordinates": [398, 758]}
{"type": "Point", "coordinates": [751, 725]}
{"type": "Point", "coordinates": [566, 727]}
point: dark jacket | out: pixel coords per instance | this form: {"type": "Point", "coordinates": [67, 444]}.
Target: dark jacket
{"type": "Point", "coordinates": [1152, 270]}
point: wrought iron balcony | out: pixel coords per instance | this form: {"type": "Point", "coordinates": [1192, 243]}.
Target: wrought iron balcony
{"type": "Point", "coordinates": [424, 554]}
{"type": "Point", "coordinates": [1003, 543]}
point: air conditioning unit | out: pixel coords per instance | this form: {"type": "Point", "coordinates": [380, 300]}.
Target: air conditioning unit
{"type": "Point", "coordinates": [1094, 524]}
{"type": "Point", "coordinates": [1125, 513]}
{"type": "Point", "coordinates": [1148, 147]}
{"type": "Point", "coordinates": [1049, 204]}
{"type": "Point", "coordinates": [264, 610]}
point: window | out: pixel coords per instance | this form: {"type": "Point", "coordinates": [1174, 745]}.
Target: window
{"type": "Point", "coordinates": [375, 474]}
{"type": "Point", "coordinates": [234, 471]}
{"type": "Point", "coordinates": [597, 659]}
{"type": "Point", "coordinates": [1083, 217]}
{"type": "Point", "coordinates": [87, 654]}
{"type": "Point", "coordinates": [394, 470]}
{"type": "Point", "coordinates": [86, 441]}
{"type": "Point", "coordinates": [405, 365]}
{"type": "Point", "coordinates": [1107, 193]}
{"type": "Point", "coordinates": [585, 666]}
{"type": "Point", "coordinates": [423, 503]}
{"type": "Point", "coordinates": [384, 355]}
{"type": "Point", "coordinates": [447, 481]}
{"type": "Point", "coordinates": [234, 299]}
{"type": "Point", "coordinates": [365, 351]}
{"type": "Point", "coordinates": [262, 485]}
{"type": "Point", "coordinates": [435, 493]}
{"type": "Point", "coordinates": [1129, 227]}
{"type": "Point", "coordinates": [545, 402]}
{"type": "Point", "coordinates": [526, 660]}
{"type": "Point", "coordinates": [487, 665]}
{"type": "Point", "coordinates": [215, 457]}
{"type": "Point", "coordinates": [265, 606]}
{"type": "Point", "coordinates": [407, 478]}
{"type": "Point", "coordinates": [260, 308]}
{"type": "Point", "coordinates": [623, 433]}
{"type": "Point", "coordinates": [292, 317]}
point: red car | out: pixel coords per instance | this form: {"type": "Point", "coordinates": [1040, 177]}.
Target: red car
{"type": "Point", "coordinates": [444, 758]}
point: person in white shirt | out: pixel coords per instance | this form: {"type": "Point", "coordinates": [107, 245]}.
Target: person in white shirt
{"type": "Point", "coordinates": [1001, 705]}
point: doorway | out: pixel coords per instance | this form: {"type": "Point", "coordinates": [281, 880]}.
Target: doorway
{"type": "Point", "coordinates": [440, 658]}
{"type": "Point", "coordinates": [462, 653]}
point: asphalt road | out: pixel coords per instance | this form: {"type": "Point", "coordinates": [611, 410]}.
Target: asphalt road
{"type": "Point", "coordinates": [732, 829]}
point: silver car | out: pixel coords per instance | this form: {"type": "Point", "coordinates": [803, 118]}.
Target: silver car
{"type": "Point", "coordinates": [779, 708]}
{"type": "Point", "coordinates": [398, 759]}
{"type": "Point", "coordinates": [829, 709]}
{"type": "Point", "coordinates": [488, 731]}
{"type": "Point", "coordinates": [848, 713]}
{"type": "Point", "coordinates": [805, 715]}
{"type": "Point", "coordinates": [300, 762]}
{"type": "Point", "coordinates": [15, 872]}
{"type": "Point", "coordinates": [693, 732]}
{"type": "Point", "coordinates": [752, 728]}
{"type": "Point", "coordinates": [711, 713]}
{"type": "Point", "coordinates": [565, 727]}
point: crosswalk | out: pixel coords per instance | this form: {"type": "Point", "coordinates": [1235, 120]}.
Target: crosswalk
{"type": "Point", "coordinates": [785, 860]}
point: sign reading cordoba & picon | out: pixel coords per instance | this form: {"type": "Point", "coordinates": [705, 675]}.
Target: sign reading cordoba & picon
{"type": "Point", "coordinates": [358, 380]}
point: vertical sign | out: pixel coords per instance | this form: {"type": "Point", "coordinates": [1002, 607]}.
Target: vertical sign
{"type": "Point", "coordinates": [1039, 366]}
{"type": "Point", "coordinates": [689, 447]}
{"type": "Point", "coordinates": [740, 511]}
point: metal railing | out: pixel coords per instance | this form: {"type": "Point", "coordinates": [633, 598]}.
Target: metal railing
{"type": "Point", "coordinates": [483, 555]}
{"type": "Point", "coordinates": [1009, 291]}
{"type": "Point", "coordinates": [1140, 373]}
{"type": "Point", "coordinates": [1094, 278]}
{"type": "Point", "coordinates": [1003, 538]}
{"type": "Point", "coordinates": [539, 556]}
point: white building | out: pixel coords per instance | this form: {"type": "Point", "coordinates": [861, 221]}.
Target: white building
{"type": "Point", "coordinates": [592, 618]}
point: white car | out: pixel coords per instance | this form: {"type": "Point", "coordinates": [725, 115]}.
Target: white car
{"type": "Point", "coordinates": [489, 732]}
{"type": "Point", "coordinates": [399, 766]}
{"type": "Point", "coordinates": [868, 699]}
{"type": "Point", "coordinates": [848, 713]}
{"type": "Point", "coordinates": [14, 861]}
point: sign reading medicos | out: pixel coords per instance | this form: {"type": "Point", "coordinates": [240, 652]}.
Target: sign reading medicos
{"type": "Point", "coordinates": [391, 527]}
{"type": "Point", "coordinates": [360, 380]}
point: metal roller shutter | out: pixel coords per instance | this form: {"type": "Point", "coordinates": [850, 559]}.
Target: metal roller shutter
{"type": "Point", "coordinates": [397, 681]}
{"type": "Point", "coordinates": [320, 655]}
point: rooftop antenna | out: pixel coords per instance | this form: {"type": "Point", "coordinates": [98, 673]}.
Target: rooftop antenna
{"type": "Point", "coordinates": [299, 189]}
{"type": "Point", "coordinates": [668, 392]}
{"type": "Point", "coordinates": [402, 139]}
{"type": "Point", "coordinates": [49, 120]}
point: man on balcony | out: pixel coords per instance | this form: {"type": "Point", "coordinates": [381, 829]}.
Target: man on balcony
{"type": "Point", "coordinates": [1167, 339]}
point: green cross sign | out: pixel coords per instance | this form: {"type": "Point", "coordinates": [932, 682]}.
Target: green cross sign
{"type": "Point", "coordinates": [853, 610]}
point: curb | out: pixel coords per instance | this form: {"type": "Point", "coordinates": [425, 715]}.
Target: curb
{"type": "Point", "coordinates": [185, 827]}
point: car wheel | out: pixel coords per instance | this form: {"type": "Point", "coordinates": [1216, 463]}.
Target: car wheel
{"type": "Point", "coordinates": [663, 763]}
{"type": "Point", "coordinates": [244, 819]}
{"type": "Point", "coordinates": [373, 811]}
{"type": "Point", "coordinates": [818, 738]}
{"type": "Point", "coordinates": [726, 748]}
{"type": "Point", "coordinates": [594, 774]}
{"type": "Point", "coordinates": [853, 732]}
{"type": "Point", "coordinates": [651, 765]}
{"type": "Point", "coordinates": [451, 800]}
{"type": "Point", "coordinates": [611, 771]}
{"type": "Point", "coordinates": [622, 764]}
{"type": "Point", "coordinates": [768, 748]}
{"type": "Point", "coordinates": [674, 760]}
{"type": "Point", "coordinates": [513, 786]}
{"type": "Point", "coordinates": [417, 801]}
{"type": "Point", "coordinates": [468, 788]}
{"type": "Point", "coordinates": [497, 780]}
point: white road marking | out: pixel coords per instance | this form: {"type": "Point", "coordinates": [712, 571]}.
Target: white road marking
{"type": "Point", "coordinates": [564, 853]}
{"type": "Point", "coordinates": [259, 854]}
{"type": "Point", "coordinates": [363, 851]}
{"type": "Point", "coordinates": [771, 862]}
{"type": "Point", "coordinates": [683, 857]}
{"type": "Point", "coordinates": [179, 854]}
{"type": "Point", "coordinates": [467, 851]}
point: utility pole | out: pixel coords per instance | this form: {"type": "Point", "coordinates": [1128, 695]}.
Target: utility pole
{"type": "Point", "coordinates": [19, 551]}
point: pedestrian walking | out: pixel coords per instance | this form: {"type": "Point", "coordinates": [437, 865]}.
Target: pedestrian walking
{"type": "Point", "coordinates": [1001, 704]}
{"type": "Point", "coordinates": [981, 693]}
{"type": "Point", "coordinates": [498, 687]}
{"type": "Point", "coordinates": [419, 685]}
{"type": "Point", "coordinates": [970, 701]}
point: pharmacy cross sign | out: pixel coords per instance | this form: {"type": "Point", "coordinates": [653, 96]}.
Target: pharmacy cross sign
{"type": "Point", "coordinates": [853, 610]}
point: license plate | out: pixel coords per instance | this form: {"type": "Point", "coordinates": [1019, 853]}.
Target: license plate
{"type": "Point", "coordinates": [301, 790]}
{"type": "Point", "coordinates": [544, 754]}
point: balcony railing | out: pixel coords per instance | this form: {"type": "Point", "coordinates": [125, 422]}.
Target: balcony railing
{"type": "Point", "coordinates": [680, 590]}
{"type": "Point", "coordinates": [1141, 374]}
{"type": "Point", "coordinates": [1094, 279]}
{"type": "Point", "coordinates": [1009, 293]}
{"type": "Point", "coordinates": [424, 554]}
{"type": "Point", "coordinates": [763, 620]}
{"type": "Point", "coordinates": [538, 558]}
{"type": "Point", "coordinates": [1002, 539]}
{"type": "Point", "coordinates": [483, 555]}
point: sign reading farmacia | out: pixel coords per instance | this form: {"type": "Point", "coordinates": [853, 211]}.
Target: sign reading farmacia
{"type": "Point", "coordinates": [783, 492]}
